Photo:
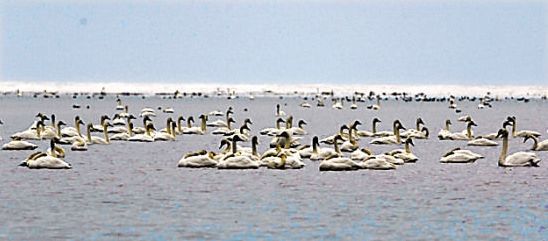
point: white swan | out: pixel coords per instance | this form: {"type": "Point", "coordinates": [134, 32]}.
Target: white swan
{"type": "Point", "coordinates": [55, 150]}
{"type": "Point", "coordinates": [145, 137]}
{"type": "Point", "coordinates": [405, 154]}
{"type": "Point", "coordinates": [225, 130]}
{"type": "Point", "coordinates": [445, 133]}
{"type": "Point", "coordinates": [522, 133]}
{"type": "Point", "coordinates": [125, 135]}
{"type": "Point", "coordinates": [518, 159]}
{"type": "Point", "coordinates": [460, 156]}
{"type": "Point", "coordinates": [207, 159]}
{"type": "Point", "coordinates": [30, 134]}
{"type": "Point", "coordinates": [299, 129]}
{"type": "Point", "coordinates": [480, 141]}
{"type": "Point", "coordinates": [79, 144]}
{"type": "Point", "coordinates": [395, 139]}
{"type": "Point", "coordinates": [279, 112]}
{"type": "Point", "coordinates": [98, 140]}
{"type": "Point", "coordinates": [196, 130]}
{"type": "Point", "coordinates": [236, 160]}
{"type": "Point", "coordinates": [377, 163]}
{"type": "Point", "coordinates": [72, 131]}
{"type": "Point", "coordinates": [273, 131]}
{"type": "Point", "coordinates": [41, 160]}
{"type": "Point", "coordinates": [169, 136]}
{"type": "Point", "coordinates": [338, 104]}
{"type": "Point", "coordinates": [460, 136]}
{"type": "Point", "coordinates": [221, 123]}
{"type": "Point", "coordinates": [414, 132]}
{"type": "Point", "coordinates": [373, 131]}
{"type": "Point", "coordinates": [375, 106]}
{"type": "Point", "coordinates": [351, 144]}
{"type": "Point", "coordinates": [537, 146]}
{"type": "Point", "coordinates": [19, 145]}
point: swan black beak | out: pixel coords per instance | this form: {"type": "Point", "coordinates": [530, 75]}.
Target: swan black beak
{"type": "Point", "coordinates": [23, 164]}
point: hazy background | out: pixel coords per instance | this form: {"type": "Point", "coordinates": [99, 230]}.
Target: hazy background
{"type": "Point", "coordinates": [394, 42]}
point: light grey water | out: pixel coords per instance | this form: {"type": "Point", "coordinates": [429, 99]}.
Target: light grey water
{"type": "Point", "coordinates": [134, 191]}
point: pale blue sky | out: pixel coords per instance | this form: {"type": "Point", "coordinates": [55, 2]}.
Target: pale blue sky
{"type": "Point", "coordinates": [481, 42]}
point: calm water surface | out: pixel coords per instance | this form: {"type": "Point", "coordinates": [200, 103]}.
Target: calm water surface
{"type": "Point", "coordinates": [134, 191]}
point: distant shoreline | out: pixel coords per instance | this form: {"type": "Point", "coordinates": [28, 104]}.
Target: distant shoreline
{"type": "Point", "coordinates": [272, 89]}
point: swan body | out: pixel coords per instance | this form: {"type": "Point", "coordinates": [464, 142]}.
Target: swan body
{"type": "Point", "coordinates": [198, 161]}
{"type": "Point", "coordinates": [238, 162]}
{"type": "Point", "coordinates": [339, 164]}
{"type": "Point", "coordinates": [377, 163]}
{"type": "Point", "coordinates": [79, 145]}
{"type": "Point", "coordinates": [460, 156]}
{"type": "Point", "coordinates": [482, 142]}
{"type": "Point", "coordinates": [44, 161]}
{"type": "Point", "coordinates": [145, 137]}
{"type": "Point", "coordinates": [19, 145]}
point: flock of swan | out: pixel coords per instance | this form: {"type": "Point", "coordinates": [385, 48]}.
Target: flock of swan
{"type": "Point", "coordinates": [341, 151]}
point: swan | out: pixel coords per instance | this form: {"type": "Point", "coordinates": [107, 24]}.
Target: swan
{"type": "Point", "coordinates": [460, 156]}
{"type": "Point", "coordinates": [339, 164]}
{"type": "Point", "coordinates": [331, 139]}
{"type": "Point", "coordinates": [464, 136]}
{"type": "Point", "coordinates": [196, 130]}
{"type": "Point", "coordinates": [275, 162]}
{"type": "Point", "coordinates": [351, 144]}
{"type": "Point", "coordinates": [361, 154]}
{"type": "Point", "coordinates": [537, 146]}
{"type": "Point", "coordinates": [373, 129]}
{"type": "Point", "coordinates": [279, 112]}
{"type": "Point", "coordinates": [405, 154]}
{"type": "Point", "coordinates": [305, 104]}
{"type": "Point", "coordinates": [224, 130]}
{"type": "Point", "coordinates": [236, 160]}
{"type": "Point", "coordinates": [169, 136]}
{"type": "Point", "coordinates": [125, 135]}
{"type": "Point", "coordinates": [215, 113]}
{"type": "Point", "coordinates": [146, 121]}
{"type": "Point", "coordinates": [299, 130]}
{"type": "Point", "coordinates": [168, 110]}
{"type": "Point", "coordinates": [377, 163]}
{"type": "Point", "coordinates": [198, 161]}
{"type": "Point", "coordinates": [395, 139]}
{"type": "Point", "coordinates": [522, 133]}
{"type": "Point", "coordinates": [243, 131]}
{"type": "Point", "coordinates": [353, 106]}
{"type": "Point", "coordinates": [55, 150]}
{"type": "Point", "coordinates": [414, 132]}
{"type": "Point", "coordinates": [338, 104]}
{"type": "Point", "coordinates": [273, 131]}
{"type": "Point", "coordinates": [375, 106]}
{"type": "Point", "coordinates": [117, 120]}
{"type": "Point", "coordinates": [286, 140]}
{"type": "Point", "coordinates": [18, 145]}
{"type": "Point", "coordinates": [79, 144]}
{"type": "Point", "coordinates": [30, 134]}
{"type": "Point", "coordinates": [72, 131]}
{"type": "Point", "coordinates": [146, 137]}
{"type": "Point", "coordinates": [518, 159]}
{"type": "Point", "coordinates": [221, 123]}
{"type": "Point", "coordinates": [308, 151]}
{"type": "Point", "coordinates": [445, 133]}
{"type": "Point", "coordinates": [41, 160]}
{"type": "Point", "coordinates": [480, 141]}
{"type": "Point", "coordinates": [98, 140]}
{"type": "Point", "coordinates": [119, 105]}
{"type": "Point", "coordinates": [328, 153]}
{"type": "Point", "coordinates": [99, 127]}
{"type": "Point", "coordinates": [493, 136]}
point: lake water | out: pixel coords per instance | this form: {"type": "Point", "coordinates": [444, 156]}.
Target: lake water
{"type": "Point", "coordinates": [134, 191]}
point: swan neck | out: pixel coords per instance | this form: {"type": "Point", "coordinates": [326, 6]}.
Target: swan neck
{"type": "Point", "coordinates": [350, 137]}
{"type": "Point", "coordinates": [469, 132]}
{"type": "Point", "coordinates": [315, 146]}
{"type": "Point", "coordinates": [398, 138]}
{"type": "Point", "coordinates": [89, 134]}
{"type": "Point", "coordinates": [535, 143]}
{"type": "Point", "coordinates": [514, 127]}
{"type": "Point", "coordinates": [277, 125]}
{"type": "Point", "coordinates": [374, 127]}
{"type": "Point", "coordinates": [203, 127]}
{"type": "Point", "coordinates": [234, 146]}
{"type": "Point", "coordinates": [254, 148]}
{"type": "Point", "coordinates": [336, 146]}
{"type": "Point", "coordinates": [447, 126]}
{"type": "Point", "coordinates": [179, 126]}
{"type": "Point", "coordinates": [105, 132]}
{"type": "Point", "coordinates": [52, 147]}
{"type": "Point", "coordinates": [504, 150]}
{"type": "Point", "coordinates": [407, 148]}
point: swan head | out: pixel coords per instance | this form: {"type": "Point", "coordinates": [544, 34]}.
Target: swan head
{"type": "Point", "coordinates": [409, 141]}
{"type": "Point", "coordinates": [472, 123]}
{"type": "Point", "coordinates": [181, 118]}
{"type": "Point", "coordinates": [280, 120]}
{"type": "Point", "coordinates": [131, 117]}
{"type": "Point", "coordinates": [502, 133]}
{"type": "Point", "coordinates": [190, 119]}
{"type": "Point", "coordinates": [376, 120]}
{"type": "Point", "coordinates": [343, 128]}
{"type": "Point", "coordinates": [448, 122]}
{"type": "Point", "coordinates": [61, 123]}
{"type": "Point", "coordinates": [255, 140]}
{"type": "Point", "coordinates": [116, 116]}
{"type": "Point", "coordinates": [203, 117]}
{"type": "Point", "coordinates": [224, 142]}
{"type": "Point", "coordinates": [150, 126]}
{"type": "Point", "coordinates": [248, 121]}
{"type": "Point", "coordinates": [237, 138]}
{"type": "Point", "coordinates": [284, 134]}
{"type": "Point", "coordinates": [338, 138]}
{"type": "Point", "coordinates": [356, 123]}
{"type": "Point", "coordinates": [511, 119]}
{"type": "Point", "coordinates": [398, 125]}
{"type": "Point", "coordinates": [420, 121]}
{"type": "Point", "coordinates": [527, 137]}
{"type": "Point", "coordinates": [231, 120]}
{"type": "Point", "coordinates": [506, 123]}
{"type": "Point", "coordinates": [426, 131]}
{"type": "Point", "coordinates": [302, 123]}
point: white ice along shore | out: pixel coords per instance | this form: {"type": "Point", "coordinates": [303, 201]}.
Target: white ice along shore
{"type": "Point", "coordinates": [273, 89]}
